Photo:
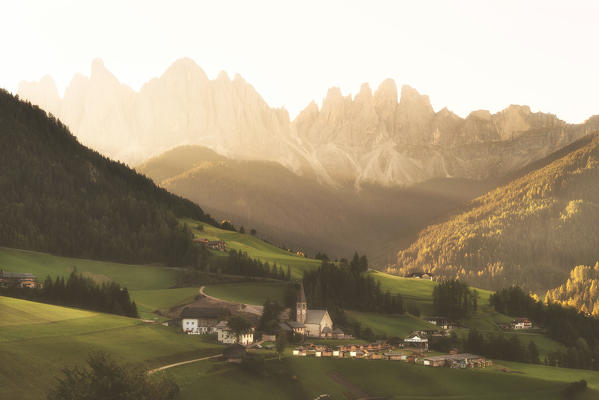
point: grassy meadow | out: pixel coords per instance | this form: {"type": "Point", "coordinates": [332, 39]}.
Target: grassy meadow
{"type": "Point", "coordinates": [311, 377]}
{"type": "Point", "coordinates": [248, 292]}
{"type": "Point", "coordinates": [255, 248]}
{"type": "Point", "coordinates": [40, 340]}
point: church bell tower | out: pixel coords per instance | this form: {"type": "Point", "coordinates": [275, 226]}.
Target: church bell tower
{"type": "Point", "coordinates": [301, 306]}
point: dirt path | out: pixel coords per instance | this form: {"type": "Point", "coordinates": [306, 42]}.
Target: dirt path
{"type": "Point", "coordinates": [249, 311]}
{"type": "Point", "coordinates": [182, 363]}
{"type": "Point", "coordinates": [249, 308]}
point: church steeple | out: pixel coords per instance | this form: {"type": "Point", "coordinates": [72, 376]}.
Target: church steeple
{"type": "Point", "coordinates": [301, 306]}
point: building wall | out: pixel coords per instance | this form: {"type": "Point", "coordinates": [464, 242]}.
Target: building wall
{"type": "Point", "coordinates": [313, 330]}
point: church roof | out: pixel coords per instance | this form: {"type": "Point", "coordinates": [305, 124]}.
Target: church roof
{"type": "Point", "coordinates": [295, 324]}
{"type": "Point", "coordinates": [315, 316]}
{"type": "Point", "coordinates": [301, 296]}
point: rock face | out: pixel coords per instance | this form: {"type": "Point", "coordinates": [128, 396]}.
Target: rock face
{"type": "Point", "coordinates": [370, 138]}
{"type": "Point", "coordinates": [183, 106]}
{"type": "Point", "coordinates": [374, 138]}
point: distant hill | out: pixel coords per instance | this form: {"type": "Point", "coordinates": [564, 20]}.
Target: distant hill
{"type": "Point", "coordinates": [531, 231]}
{"type": "Point", "coordinates": [300, 213]}
{"type": "Point", "coordinates": [61, 197]}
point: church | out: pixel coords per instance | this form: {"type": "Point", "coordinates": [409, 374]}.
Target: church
{"type": "Point", "coordinates": [313, 323]}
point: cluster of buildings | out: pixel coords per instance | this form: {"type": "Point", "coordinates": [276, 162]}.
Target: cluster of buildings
{"type": "Point", "coordinates": [219, 245]}
{"type": "Point", "coordinates": [517, 324]}
{"type": "Point", "coordinates": [410, 351]}
{"type": "Point", "coordinates": [24, 280]}
{"type": "Point", "coordinates": [206, 321]}
{"type": "Point", "coordinates": [309, 322]}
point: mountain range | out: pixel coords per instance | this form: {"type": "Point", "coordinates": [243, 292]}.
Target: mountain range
{"type": "Point", "coordinates": [382, 137]}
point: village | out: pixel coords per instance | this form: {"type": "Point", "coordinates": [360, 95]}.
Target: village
{"type": "Point", "coordinates": [315, 327]}
{"type": "Point", "coordinates": [308, 324]}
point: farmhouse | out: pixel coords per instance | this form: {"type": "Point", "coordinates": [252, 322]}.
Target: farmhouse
{"type": "Point", "coordinates": [441, 322]}
{"type": "Point", "coordinates": [25, 280]}
{"type": "Point", "coordinates": [226, 336]}
{"type": "Point", "coordinates": [219, 245]}
{"type": "Point", "coordinates": [420, 275]}
{"type": "Point", "coordinates": [521, 323]}
{"type": "Point", "coordinates": [199, 321]}
{"type": "Point", "coordinates": [416, 342]}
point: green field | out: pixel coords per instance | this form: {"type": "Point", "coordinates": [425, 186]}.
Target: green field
{"type": "Point", "coordinates": [134, 277]}
{"type": "Point", "coordinates": [388, 379]}
{"type": "Point", "coordinates": [39, 340]}
{"type": "Point", "coordinates": [149, 301]}
{"type": "Point", "coordinates": [255, 248]}
{"type": "Point", "coordinates": [248, 292]}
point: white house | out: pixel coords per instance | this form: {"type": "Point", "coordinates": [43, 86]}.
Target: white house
{"type": "Point", "coordinates": [521, 323]}
{"type": "Point", "coordinates": [224, 335]}
{"type": "Point", "coordinates": [417, 342]}
{"type": "Point", "coordinates": [199, 321]}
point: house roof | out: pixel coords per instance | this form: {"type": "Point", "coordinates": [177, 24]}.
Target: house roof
{"type": "Point", "coordinates": [337, 330]}
{"type": "Point", "coordinates": [222, 325]}
{"type": "Point", "coordinates": [200, 312]}
{"type": "Point", "coordinates": [517, 320]}
{"type": "Point", "coordinates": [415, 339]}
{"type": "Point", "coordinates": [315, 316]}
{"type": "Point", "coordinates": [455, 357]}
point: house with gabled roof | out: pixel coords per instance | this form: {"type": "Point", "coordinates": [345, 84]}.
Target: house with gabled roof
{"type": "Point", "coordinates": [199, 320]}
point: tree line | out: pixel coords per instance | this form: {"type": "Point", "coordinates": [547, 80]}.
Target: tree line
{"type": "Point", "coordinates": [79, 291]}
{"type": "Point", "coordinates": [347, 285]}
{"type": "Point", "coordinates": [454, 300]}
{"type": "Point", "coordinates": [206, 267]}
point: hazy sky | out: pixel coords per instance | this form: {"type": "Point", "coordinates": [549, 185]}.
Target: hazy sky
{"type": "Point", "coordinates": [465, 55]}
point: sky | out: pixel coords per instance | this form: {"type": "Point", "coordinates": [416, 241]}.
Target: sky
{"type": "Point", "coordinates": [466, 55]}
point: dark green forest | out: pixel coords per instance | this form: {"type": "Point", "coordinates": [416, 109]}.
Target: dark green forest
{"type": "Point", "coordinates": [58, 196]}
{"type": "Point", "coordinates": [78, 291]}
{"type": "Point", "coordinates": [347, 286]}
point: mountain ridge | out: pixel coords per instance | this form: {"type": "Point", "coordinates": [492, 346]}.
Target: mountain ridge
{"type": "Point", "coordinates": [379, 137]}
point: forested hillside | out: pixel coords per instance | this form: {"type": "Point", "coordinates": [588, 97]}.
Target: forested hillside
{"type": "Point", "coordinates": [531, 231]}
{"type": "Point", "coordinates": [61, 197]}
{"type": "Point", "coordinates": [580, 291]}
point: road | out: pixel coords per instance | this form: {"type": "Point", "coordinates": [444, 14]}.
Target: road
{"type": "Point", "coordinates": [249, 308]}
{"type": "Point", "coordinates": [182, 363]}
